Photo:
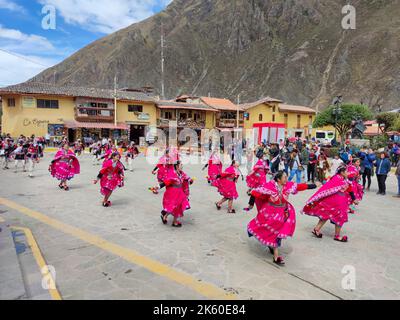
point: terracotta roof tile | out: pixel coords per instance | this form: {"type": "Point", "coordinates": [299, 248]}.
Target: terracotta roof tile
{"type": "Point", "coordinates": [219, 103]}
{"type": "Point", "coordinates": [299, 109]}
{"type": "Point", "coordinates": [183, 105]}
{"type": "Point", "coordinates": [246, 106]}
{"type": "Point", "coordinates": [43, 88]}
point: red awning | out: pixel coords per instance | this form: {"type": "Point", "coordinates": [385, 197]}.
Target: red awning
{"type": "Point", "coordinates": [95, 125]}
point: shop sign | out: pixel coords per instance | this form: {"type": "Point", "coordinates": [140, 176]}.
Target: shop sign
{"type": "Point", "coordinates": [144, 116]}
{"type": "Point", "coordinates": [35, 123]}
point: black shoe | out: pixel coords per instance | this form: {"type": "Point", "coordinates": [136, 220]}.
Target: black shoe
{"type": "Point", "coordinates": [383, 193]}
{"type": "Point", "coordinates": [279, 261]}
{"type": "Point", "coordinates": [378, 192]}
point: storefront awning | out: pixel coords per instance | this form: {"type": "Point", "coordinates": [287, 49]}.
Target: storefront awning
{"type": "Point", "coordinates": [95, 125]}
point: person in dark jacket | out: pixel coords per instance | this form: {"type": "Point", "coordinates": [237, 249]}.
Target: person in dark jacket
{"type": "Point", "coordinates": [312, 166]}
{"type": "Point", "coordinates": [367, 164]}
{"type": "Point", "coordinates": [383, 167]}
{"type": "Point", "coordinates": [274, 158]}
{"type": "Point", "coordinates": [398, 179]}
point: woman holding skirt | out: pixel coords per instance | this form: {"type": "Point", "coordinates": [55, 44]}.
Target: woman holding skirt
{"type": "Point", "coordinates": [214, 168]}
{"type": "Point", "coordinates": [175, 201]}
{"type": "Point", "coordinates": [64, 166]}
{"type": "Point", "coordinates": [164, 165]}
{"type": "Point", "coordinates": [111, 176]}
{"type": "Point", "coordinates": [276, 219]}
{"type": "Point", "coordinates": [354, 176]}
{"type": "Point", "coordinates": [256, 178]}
{"type": "Point", "coordinates": [226, 184]}
{"type": "Point", "coordinates": [332, 202]}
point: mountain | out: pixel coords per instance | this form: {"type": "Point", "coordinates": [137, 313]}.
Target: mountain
{"type": "Point", "coordinates": [294, 50]}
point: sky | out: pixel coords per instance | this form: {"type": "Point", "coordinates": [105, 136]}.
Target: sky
{"type": "Point", "coordinates": [37, 34]}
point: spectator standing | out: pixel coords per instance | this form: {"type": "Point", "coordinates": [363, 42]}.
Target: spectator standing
{"type": "Point", "coordinates": [398, 179]}
{"type": "Point", "coordinates": [367, 166]}
{"type": "Point", "coordinates": [383, 167]}
{"type": "Point", "coordinates": [312, 164]}
{"type": "Point", "coordinates": [305, 159]}
{"type": "Point", "coordinates": [295, 167]}
{"type": "Point", "coordinates": [47, 138]}
{"type": "Point", "coordinates": [336, 163]}
{"type": "Point", "coordinates": [275, 158]}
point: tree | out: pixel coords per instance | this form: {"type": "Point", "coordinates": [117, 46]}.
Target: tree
{"type": "Point", "coordinates": [396, 125]}
{"type": "Point", "coordinates": [349, 113]}
{"type": "Point", "coordinates": [387, 120]}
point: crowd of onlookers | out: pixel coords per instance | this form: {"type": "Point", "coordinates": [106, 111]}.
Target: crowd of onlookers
{"type": "Point", "coordinates": [309, 161]}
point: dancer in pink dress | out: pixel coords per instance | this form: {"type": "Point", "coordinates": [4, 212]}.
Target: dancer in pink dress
{"type": "Point", "coordinates": [64, 166]}
{"type": "Point", "coordinates": [354, 176]}
{"type": "Point", "coordinates": [256, 178]}
{"type": "Point", "coordinates": [214, 168]}
{"type": "Point", "coordinates": [276, 218]}
{"type": "Point", "coordinates": [332, 202]}
{"type": "Point", "coordinates": [175, 201]}
{"type": "Point", "coordinates": [164, 165]}
{"type": "Point", "coordinates": [108, 154]}
{"type": "Point", "coordinates": [226, 184]}
{"type": "Point", "coordinates": [111, 176]}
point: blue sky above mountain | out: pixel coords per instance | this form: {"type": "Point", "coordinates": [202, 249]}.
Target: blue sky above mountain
{"type": "Point", "coordinates": [26, 48]}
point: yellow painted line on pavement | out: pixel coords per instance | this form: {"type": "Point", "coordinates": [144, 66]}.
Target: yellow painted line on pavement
{"type": "Point", "coordinates": [44, 270]}
{"type": "Point", "coordinates": [207, 290]}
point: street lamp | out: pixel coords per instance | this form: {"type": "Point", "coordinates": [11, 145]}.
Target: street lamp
{"type": "Point", "coordinates": [337, 111]}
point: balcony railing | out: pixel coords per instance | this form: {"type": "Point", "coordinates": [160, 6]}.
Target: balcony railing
{"type": "Point", "coordinates": [90, 114]}
{"type": "Point", "coordinates": [186, 123]}
{"type": "Point", "coordinates": [229, 123]}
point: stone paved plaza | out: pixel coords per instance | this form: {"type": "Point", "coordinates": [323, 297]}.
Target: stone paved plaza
{"type": "Point", "coordinates": [125, 252]}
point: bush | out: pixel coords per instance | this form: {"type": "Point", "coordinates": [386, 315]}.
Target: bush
{"type": "Point", "coordinates": [380, 141]}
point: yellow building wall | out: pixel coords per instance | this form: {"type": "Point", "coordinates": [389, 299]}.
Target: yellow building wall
{"type": "Point", "coordinates": [123, 115]}
{"type": "Point", "coordinates": [210, 120]}
{"type": "Point", "coordinates": [27, 121]}
{"type": "Point", "coordinates": [267, 117]}
{"type": "Point", "coordinates": [254, 114]}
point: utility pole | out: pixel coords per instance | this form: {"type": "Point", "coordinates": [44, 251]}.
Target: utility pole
{"type": "Point", "coordinates": [238, 116]}
{"type": "Point", "coordinates": [115, 100]}
{"type": "Point", "coordinates": [162, 62]}
{"type": "Point", "coordinates": [238, 112]}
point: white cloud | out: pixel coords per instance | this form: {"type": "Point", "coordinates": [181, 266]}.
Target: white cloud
{"type": "Point", "coordinates": [15, 69]}
{"type": "Point", "coordinates": [15, 40]}
{"type": "Point", "coordinates": [22, 56]}
{"type": "Point", "coordinates": [11, 5]}
{"type": "Point", "coordinates": [104, 16]}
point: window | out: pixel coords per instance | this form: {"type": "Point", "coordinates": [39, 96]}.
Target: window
{"type": "Point", "coordinates": [168, 115]}
{"type": "Point", "coordinates": [47, 104]}
{"type": "Point", "coordinates": [273, 118]}
{"type": "Point", "coordinates": [311, 120]}
{"type": "Point", "coordinates": [260, 117]}
{"type": "Point", "coordinates": [11, 102]}
{"type": "Point", "coordinates": [298, 121]}
{"type": "Point", "coordinates": [286, 119]}
{"type": "Point", "coordinates": [273, 108]}
{"type": "Point", "coordinates": [135, 108]}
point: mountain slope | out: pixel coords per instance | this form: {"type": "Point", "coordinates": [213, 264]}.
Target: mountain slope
{"type": "Point", "coordinates": [295, 50]}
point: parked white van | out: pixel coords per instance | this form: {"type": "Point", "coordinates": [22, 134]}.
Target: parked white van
{"type": "Point", "coordinates": [325, 137]}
